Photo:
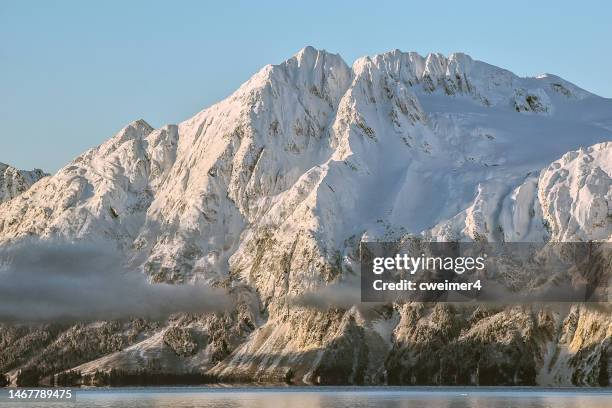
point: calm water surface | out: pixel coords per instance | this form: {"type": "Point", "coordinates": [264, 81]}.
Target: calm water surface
{"type": "Point", "coordinates": [332, 397]}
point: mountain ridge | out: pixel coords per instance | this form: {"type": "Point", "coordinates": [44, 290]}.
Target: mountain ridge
{"type": "Point", "coordinates": [268, 193]}
{"type": "Point", "coordinates": [14, 182]}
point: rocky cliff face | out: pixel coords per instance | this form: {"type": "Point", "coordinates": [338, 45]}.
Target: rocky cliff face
{"type": "Point", "coordinates": [14, 182]}
{"type": "Point", "coordinates": [269, 192]}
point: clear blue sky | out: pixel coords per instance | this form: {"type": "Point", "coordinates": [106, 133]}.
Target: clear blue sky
{"type": "Point", "coordinates": [74, 72]}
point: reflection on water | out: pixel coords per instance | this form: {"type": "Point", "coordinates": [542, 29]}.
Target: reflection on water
{"type": "Point", "coordinates": [333, 397]}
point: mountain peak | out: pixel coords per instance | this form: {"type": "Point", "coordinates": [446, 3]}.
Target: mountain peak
{"type": "Point", "coordinates": [14, 181]}
{"type": "Point", "coordinates": [310, 58]}
{"type": "Point", "coordinates": [134, 129]}
{"type": "Point", "coordinates": [307, 52]}
{"type": "Point", "coordinates": [140, 123]}
{"type": "Point", "coordinates": [310, 53]}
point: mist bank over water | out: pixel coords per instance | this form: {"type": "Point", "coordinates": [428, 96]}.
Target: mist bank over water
{"type": "Point", "coordinates": [65, 282]}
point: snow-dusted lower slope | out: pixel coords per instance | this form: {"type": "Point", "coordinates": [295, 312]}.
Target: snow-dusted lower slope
{"type": "Point", "coordinates": [14, 182]}
{"type": "Point", "coordinates": [269, 192]}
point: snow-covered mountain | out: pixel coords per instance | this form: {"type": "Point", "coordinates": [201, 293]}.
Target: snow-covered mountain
{"type": "Point", "coordinates": [14, 182]}
{"type": "Point", "coordinates": [270, 191]}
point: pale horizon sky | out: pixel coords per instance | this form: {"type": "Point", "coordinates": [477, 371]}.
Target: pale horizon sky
{"type": "Point", "coordinates": [73, 73]}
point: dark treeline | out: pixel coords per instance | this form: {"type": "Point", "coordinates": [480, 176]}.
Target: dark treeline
{"type": "Point", "coordinates": [121, 378]}
{"type": "Point", "coordinates": [31, 377]}
{"type": "Point", "coordinates": [28, 377]}
{"type": "Point", "coordinates": [68, 379]}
